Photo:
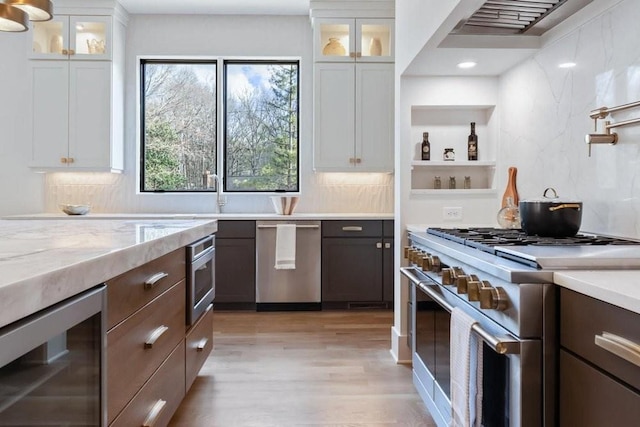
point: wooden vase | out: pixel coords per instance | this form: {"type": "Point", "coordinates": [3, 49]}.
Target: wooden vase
{"type": "Point", "coordinates": [511, 190]}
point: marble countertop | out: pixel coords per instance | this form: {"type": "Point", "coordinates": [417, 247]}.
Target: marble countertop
{"type": "Point", "coordinates": [43, 262]}
{"type": "Point", "coordinates": [220, 216]}
{"type": "Point", "coordinates": [619, 288]}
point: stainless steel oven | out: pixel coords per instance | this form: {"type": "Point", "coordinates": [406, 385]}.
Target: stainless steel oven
{"type": "Point", "coordinates": [201, 288]}
{"type": "Point", "coordinates": [52, 365]}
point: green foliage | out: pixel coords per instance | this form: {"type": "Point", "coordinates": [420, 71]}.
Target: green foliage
{"type": "Point", "coordinates": [162, 169]}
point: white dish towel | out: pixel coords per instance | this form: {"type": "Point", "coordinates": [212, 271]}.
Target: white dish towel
{"type": "Point", "coordinates": [285, 247]}
{"type": "Point", "coordinates": [466, 371]}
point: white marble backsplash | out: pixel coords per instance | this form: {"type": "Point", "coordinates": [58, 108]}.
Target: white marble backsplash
{"type": "Point", "coordinates": [545, 117]}
{"type": "Point", "coordinates": [321, 193]}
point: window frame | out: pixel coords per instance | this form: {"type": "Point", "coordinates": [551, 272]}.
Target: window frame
{"type": "Point", "coordinates": [220, 116]}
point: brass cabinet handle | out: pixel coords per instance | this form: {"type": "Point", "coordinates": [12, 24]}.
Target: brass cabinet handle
{"type": "Point", "coordinates": [72, 52]}
{"type": "Point", "coordinates": [358, 54]}
{"type": "Point", "coordinates": [621, 347]}
{"type": "Point", "coordinates": [358, 160]}
{"type": "Point", "coordinates": [202, 344]}
{"type": "Point", "coordinates": [63, 160]}
{"type": "Point", "coordinates": [154, 413]}
{"type": "Point", "coordinates": [153, 280]}
{"type": "Point", "coordinates": [352, 228]}
{"type": "Point", "coordinates": [155, 335]}
{"type": "Point", "coordinates": [70, 159]}
{"type": "Point", "coordinates": [352, 54]}
{"type": "Point", "coordinates": [65, 52]}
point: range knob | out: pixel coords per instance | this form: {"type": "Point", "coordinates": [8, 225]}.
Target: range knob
{"type": "Point", "coordinates": [494, 298]}
{"type": "Point", "coordinates": [473, 289]}
{"type": "Point", "coordinates": [462, 283]}
{"type": "Point", "coordinates": [450, 275]}
{"type": "Point", "coordinates": [435, 264]}
{"type": "Point", "coordinates": [406, 251]}
{"type": "Point", "coordinates": [425, 262]}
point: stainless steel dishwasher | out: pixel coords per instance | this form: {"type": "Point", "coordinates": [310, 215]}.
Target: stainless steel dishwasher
{"type": "Point", "coordinates": [297, 289]}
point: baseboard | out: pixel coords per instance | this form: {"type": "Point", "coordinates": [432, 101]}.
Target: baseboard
{"type": "Point", "coordinates": [400, 352]}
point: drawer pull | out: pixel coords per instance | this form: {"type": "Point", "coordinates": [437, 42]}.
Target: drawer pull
{"type": "Point", "coordinates": [621, 347]}
{"type": "Point", "coordinates": [387, 245]}
{"type": "Point", "coordinates": [153, 280]}
{"type": "Point", "coordinates": [202, 344]}
{"type": "Point", "coordinates": [154, 413]}
{"type": "Point", "coordinates": [352, 228]}
{"type": "Point", "coordinates": [154, 336]}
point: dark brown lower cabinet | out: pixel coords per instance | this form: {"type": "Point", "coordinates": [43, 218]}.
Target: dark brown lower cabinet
{"type": "Point", "coordinates": [357, 264]}
{"type": "Point", "coordinates": [599, 383]}
{"type": "Point", "coordinates": [235, 265]}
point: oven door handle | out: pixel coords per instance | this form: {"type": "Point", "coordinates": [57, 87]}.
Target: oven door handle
{"type": "Point", "coordinates": [501, 345]}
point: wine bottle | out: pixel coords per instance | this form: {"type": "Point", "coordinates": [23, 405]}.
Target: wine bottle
{"type": "Point", "coordinates": [426, 146]}
{"type": "Point", "coordinates": [472, 144]}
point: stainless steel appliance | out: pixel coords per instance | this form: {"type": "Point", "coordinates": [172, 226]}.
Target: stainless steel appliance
{"type": "Point", "coordinates": [503, 279]}
{"type": "Point", "coordinates": [201, 285]}
{"type": "Point", "coordinates": [296, 289]}
{"type": "Point", "coordinates": [52, 365]}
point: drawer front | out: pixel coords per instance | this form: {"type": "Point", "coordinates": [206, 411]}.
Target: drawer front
{"type": "Point", "coordinates": [582, 318]}
{"type": "Point", "coordinates": [132, 290]}
{"type": "Point", "coordinates": [236, 230]}
{"type": "Point", "coordinates": [589, 398]}
{"type": "Point", "coordinates": [166, 385]}
{"type": "Point", "coordinates": [130, 359]}
{"type": "Point", "coordinates": [352, 228]}
{"type": "Point", "coordinates": [199, 344]}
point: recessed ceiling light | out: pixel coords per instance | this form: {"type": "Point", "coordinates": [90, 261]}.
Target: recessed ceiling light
{"type": "Point", "coordinates": [567, 65]}
{"type": "Point", "coordinates": [467, 64]}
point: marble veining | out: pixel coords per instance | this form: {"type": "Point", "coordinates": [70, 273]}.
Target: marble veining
{"type": "Point", "coordinates": [545, 116]}
{"type": "Point", "coordinates": [45, 261]}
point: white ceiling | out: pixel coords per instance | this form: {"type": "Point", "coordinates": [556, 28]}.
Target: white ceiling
{"type": "Point", "coordinates": [218, 7]}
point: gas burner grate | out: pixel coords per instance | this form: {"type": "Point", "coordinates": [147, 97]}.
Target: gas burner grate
{"type": "Point", "coordinates": [486, 239]}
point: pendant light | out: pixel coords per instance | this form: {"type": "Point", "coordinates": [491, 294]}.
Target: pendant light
{"type": "Point", "coordinates": [13, 19]}
{"type": "Point", "coordinates": [15, 14]}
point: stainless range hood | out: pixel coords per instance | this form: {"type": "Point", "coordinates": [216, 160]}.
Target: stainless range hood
{"type": "Point", "coordinates": [520, 17]}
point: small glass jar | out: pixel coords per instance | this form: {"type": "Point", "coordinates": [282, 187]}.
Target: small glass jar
{"type": "Point", "coordinates": [452, 182]}
{"type": "Point", "coordinates": [449, 154]}
{"type": "Point", "coordinates": [437, 183]}
{"type": "Point", "coordinates": [467, 182]}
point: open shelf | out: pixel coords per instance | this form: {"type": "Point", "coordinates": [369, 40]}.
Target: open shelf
{"type": "Point", "coordinates": [453, 164]}
{"type": "Point", "coordinates": [456, 192]}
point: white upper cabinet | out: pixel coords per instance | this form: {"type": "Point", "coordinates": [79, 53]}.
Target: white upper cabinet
{"type": "Point", "coordinates": [353, 39]}
{"type": "Point", "coordinates": [72, 37]}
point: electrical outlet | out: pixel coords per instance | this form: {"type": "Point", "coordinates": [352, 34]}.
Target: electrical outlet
{"type": "Point", "coordinates": [452, 214]}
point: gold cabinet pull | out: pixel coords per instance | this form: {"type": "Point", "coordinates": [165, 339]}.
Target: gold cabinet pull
{"type": "Point", "coordinates": [358, 54]}
{"type": "Point", "coordinates": [154, 413]}
{"type": "Point", "coordinates": [63, 160]}
{"type": "Point", "coordinates": [621, 347]}
{"type": "Point", "coordinates": [72, 52]}
{"type": "Point", "coordinates": [65, 52]}
{"type": "Point", "coordinates": [358, 160]}
{"type": "Point", "coordinates": [202, 344]}
{"type": "Point", "coordinates": [155, 335]}
{"type": "Point", "coordinates": [153, 280]}
{"type": "Point", "coordinates": [352, 54]}
{"type": "Point", "coordinates": [70, 160]}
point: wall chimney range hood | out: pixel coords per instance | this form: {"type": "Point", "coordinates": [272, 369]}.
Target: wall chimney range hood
{"type": "Point", "coordinates": [518, 17]}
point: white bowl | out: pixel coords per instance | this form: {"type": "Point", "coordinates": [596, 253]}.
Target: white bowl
{"type": "Point", "coordinates": [75, 209]}
{"type": "Point", "coordinates": [284, 205]}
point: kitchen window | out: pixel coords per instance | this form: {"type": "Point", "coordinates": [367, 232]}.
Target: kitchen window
{"type": "Point", "coordinates": [179, 125]}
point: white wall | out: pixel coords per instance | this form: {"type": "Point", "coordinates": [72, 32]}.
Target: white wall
{"type": "Point", "coordinates": [545, 116]}
{"type": "Point", "coordinates": [289, 36]}
{"type": "Point", "coordinates": [20, 189]}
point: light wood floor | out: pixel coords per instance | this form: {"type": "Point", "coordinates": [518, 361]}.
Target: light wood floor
{"type": "Point", "coordinates": [325, 368]}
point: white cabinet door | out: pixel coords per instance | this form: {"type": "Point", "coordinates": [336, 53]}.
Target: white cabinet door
{"type": "Point", "coordinates": [353, 40]}
{"type": "Point", "coordinates": [71, 115]}
{"type": "Point", "coordinates": [334, 117]}
{"type": "Point", "coordinates": [374, 117]}
{"type": "Point", "coordinates": [72, 37]}
{"type": "Point", "coordinates": [90, 114]}
{"type": "Point", "coordinates": [49, 113]}
{"type": "Point", "coordinates": [353, 117]}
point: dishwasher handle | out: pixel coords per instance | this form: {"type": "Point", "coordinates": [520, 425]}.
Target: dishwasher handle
{"type": "Point", "coordinates": [315, 227]}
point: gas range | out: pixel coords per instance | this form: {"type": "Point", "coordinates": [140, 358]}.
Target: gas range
{"type": "Point", "coordinates": [583, 251]}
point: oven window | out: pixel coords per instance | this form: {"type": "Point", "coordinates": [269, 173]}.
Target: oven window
{"type": "Point", "coordinates": [56, 383]}
{"type": "Point", "coordinates": [432, 339]}
{"type": "Point", "coordinates": [495, 402]}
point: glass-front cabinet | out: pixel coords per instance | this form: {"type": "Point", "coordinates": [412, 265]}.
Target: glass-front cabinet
{"type": "Point", "coordinates": [358, 39]}
{"type": "Point", "coordinates": [72, 37]}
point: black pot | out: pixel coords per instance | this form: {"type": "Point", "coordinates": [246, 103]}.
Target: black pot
{"type": "Point", "coordinates": [550, 216]}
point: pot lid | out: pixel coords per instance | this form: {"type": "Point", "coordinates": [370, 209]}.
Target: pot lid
{"type": "Point", "coordinates": [549, 196]}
